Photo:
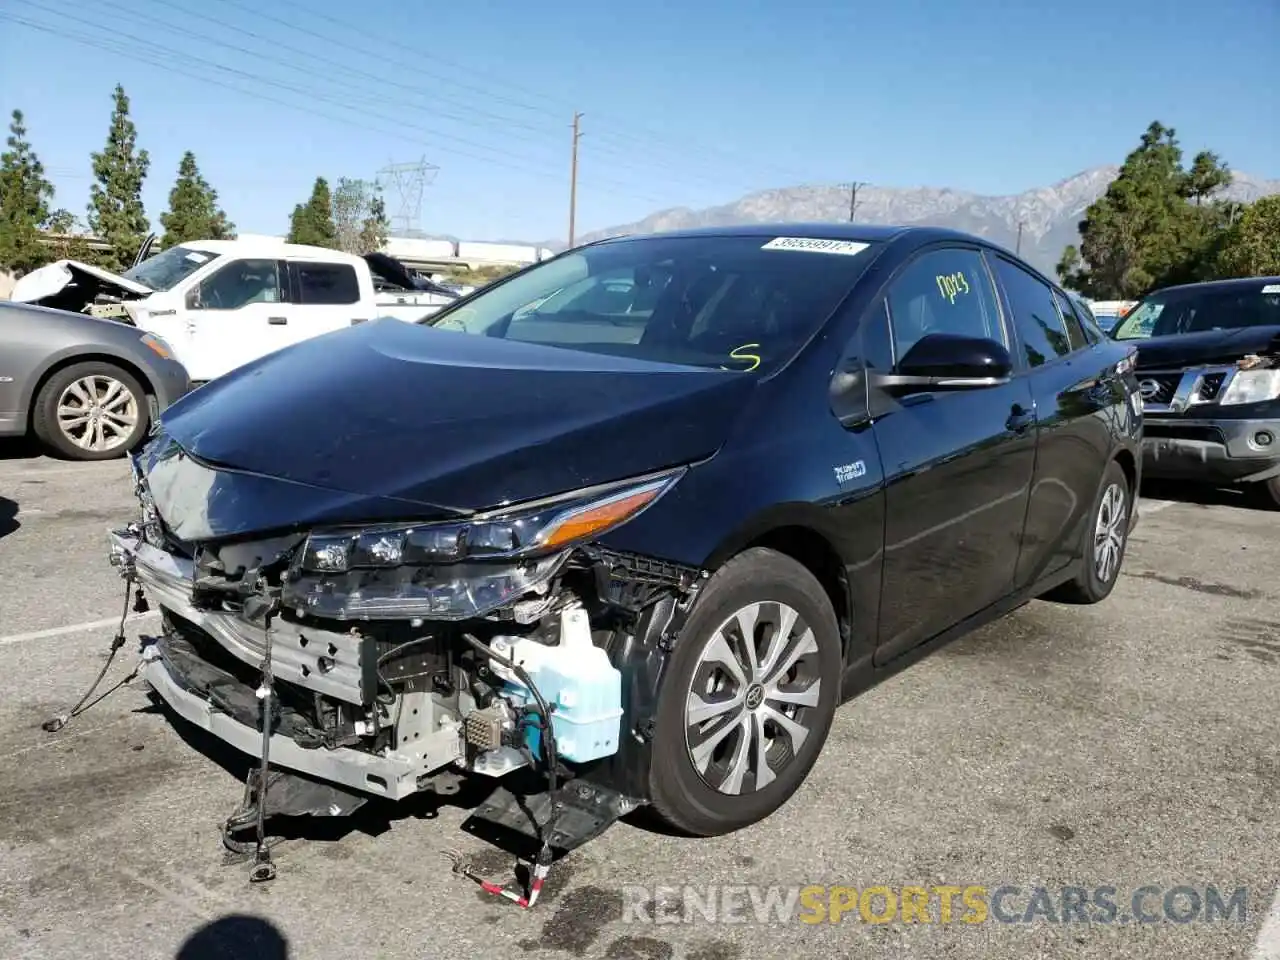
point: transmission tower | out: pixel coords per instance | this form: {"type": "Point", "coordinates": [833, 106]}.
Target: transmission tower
{"type": "Point", "coordinates": [404, 184]}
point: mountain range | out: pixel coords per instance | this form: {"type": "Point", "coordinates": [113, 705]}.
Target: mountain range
{"type": "Point", "coordinates": [1049, 216]}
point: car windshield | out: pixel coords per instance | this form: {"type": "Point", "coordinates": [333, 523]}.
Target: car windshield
{"type": "Point", "coordinates": [1197, 309]}
{"type": "Point", "coordinates": [733, 303]}
{"type": "Point", "coordinates": [166, 270]}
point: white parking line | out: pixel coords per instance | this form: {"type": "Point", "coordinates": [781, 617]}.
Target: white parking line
{"type": "Point", "coordinates": [73, 628]}
{"type": "Point", "coordinates": [1267, 946]}
{"type": "Point", "coordinates": [1154, 506]}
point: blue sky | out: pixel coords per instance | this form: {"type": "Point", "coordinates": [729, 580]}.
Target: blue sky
{"type": "Point", "coordinates": [691, 103]}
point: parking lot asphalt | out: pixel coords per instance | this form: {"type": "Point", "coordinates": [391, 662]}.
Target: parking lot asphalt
{"type": "Point", "coordinates": [1126, 744]}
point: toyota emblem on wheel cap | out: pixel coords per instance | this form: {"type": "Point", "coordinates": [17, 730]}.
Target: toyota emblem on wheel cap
{"type": "Point", "coordinates": [1150, 389]}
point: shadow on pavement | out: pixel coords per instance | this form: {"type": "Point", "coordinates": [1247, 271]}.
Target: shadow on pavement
{"type": "Point", "coordinates": [8, 517]}
{"type": "Point", "coordinates": [1206, 495]}
{"type": "Point", "coordinates": [21, 448]}
{"type": "Point", "coordinates": [235, 935]}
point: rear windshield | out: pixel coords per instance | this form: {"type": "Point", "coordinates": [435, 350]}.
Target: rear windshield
{"type": "Point", "coordinates": [733, 303]}
{"type": "Point", "coordinates": [1197, 309]}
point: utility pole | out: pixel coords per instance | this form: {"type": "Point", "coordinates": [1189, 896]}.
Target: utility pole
{"type": "Point", "coordinates": [1018, 248]}
{"type": "Point", "coordinates": [573, 176]}
{"type": "Point", "coordinates": [853, 198]}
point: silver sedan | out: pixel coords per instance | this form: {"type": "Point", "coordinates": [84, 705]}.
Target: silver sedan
{"type": "Point", "coordinates": [88, 388]}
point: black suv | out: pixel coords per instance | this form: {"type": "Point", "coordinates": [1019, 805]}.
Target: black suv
{"type": "Point", "coordinates": [638, 517]}
{"type": "Point", "coordinates": [1209, 373]}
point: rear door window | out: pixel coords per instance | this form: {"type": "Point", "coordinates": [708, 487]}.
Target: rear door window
{"type": "Point", "coordinates": [326, 283]}
{"type": "Point", "coordinates": [1075, 329]}
{"type": "Point", "coordinates": [1040, 326]}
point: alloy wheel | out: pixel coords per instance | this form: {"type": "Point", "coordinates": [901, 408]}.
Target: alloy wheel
{"type": "Point", "coordinates": [747, 711]}
{"type": "Point", "coordinates": [97, 413]}
{"type": "Point", "coordinates": [1109, 532]}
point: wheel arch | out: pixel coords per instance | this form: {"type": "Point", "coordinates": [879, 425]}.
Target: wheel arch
{"type": "Point", "coordinates": [1129, 464]}
{"type": "Point", "coordinates": [93, 356]}
{"type": "Point", "coordinates": [796, 532]}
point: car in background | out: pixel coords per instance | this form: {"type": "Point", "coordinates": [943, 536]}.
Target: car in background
{"type": "Point", "coordinates": [1110, 312]}
{"type": "Point", "coordinates": [220, 304]}
{"type": "Point", "coordinates": [1209, 372]}
{"type": "Point", "coordinates": [87, 388]}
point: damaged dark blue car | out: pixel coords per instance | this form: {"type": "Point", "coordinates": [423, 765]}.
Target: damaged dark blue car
{"type": "Point", "coordinates": [625, 528]}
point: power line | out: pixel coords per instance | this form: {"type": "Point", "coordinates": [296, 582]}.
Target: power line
{"type": "Point", "coordinates": [139, 46]}
{"type": "Point", "coordinates": [327, 68]}
{"type": "Point", "coordinates": [409, 181]}
{"type": "Point", "coordinates": [646, 137]}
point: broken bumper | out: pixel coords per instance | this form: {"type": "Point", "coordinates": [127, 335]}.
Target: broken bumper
{"type": "Point", "coordinates": [393, 776]}
{"type": "Point", "coordinates": [167, 580]}
{"type": "Point", "coordinates": [1215, 451]}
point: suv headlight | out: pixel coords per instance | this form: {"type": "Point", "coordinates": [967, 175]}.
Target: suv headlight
{"type": "Point", "coordinates": [458, 570]}
{"type": "Point", "coordinates": [1252, 386]}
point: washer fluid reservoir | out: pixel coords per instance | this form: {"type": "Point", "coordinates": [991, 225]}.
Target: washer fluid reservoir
{"type": "Point", "coordinates": [575, 677]}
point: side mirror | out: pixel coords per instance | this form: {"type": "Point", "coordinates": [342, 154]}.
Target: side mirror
{"type": "Point", "coordinates": [944, 361]}
{"type": "Point", "coordinates": [193, 298]}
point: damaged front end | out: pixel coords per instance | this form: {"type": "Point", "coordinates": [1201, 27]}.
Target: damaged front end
{"type": "Point", "coordinates": [388, 659]}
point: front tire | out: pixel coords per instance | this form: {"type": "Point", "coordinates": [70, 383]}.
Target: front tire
{"type": "Point", "coordinates": [91, 411]}
{"type": "Point", "coordinates": [1105, 540]}
{"type": "Point", "coordinates": [739, 726]}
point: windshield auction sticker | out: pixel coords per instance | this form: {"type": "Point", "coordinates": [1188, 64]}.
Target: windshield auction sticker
{"type": "Point", "coordinates": [848, 248]}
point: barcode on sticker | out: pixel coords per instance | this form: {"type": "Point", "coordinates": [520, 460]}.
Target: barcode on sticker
{"type": "Point", "coordinates": [848, 248]}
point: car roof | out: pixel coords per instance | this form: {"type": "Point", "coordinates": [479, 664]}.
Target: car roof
{"type": "Point", "coordinates": [911, 236]}
{"type": "Point", "coordinates": [270, 247]}
{"type": "Point", "coordinates": [823, 231]}
{"type": "Point", "coordinates": [1214, 286]}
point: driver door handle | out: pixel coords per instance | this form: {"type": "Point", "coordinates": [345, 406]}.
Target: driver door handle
{"type": "Point", "coordinates": [277, 321]}
{"type": "Point", "coordinates": [1020, 418]}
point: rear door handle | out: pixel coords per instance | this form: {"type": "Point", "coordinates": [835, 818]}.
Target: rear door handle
{"type": "Point", "coordinates": [277, 321]}
{"type": "Point", "coordinates": [1020, 419]}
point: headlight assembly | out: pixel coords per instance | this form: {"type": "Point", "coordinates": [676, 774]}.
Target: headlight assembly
{"type": "Point", "coordinates": [529, 530]}
{"type": "Point", "coordinates": [457, 570]}
{"type": "Point", "coordinates": [1252, 386]}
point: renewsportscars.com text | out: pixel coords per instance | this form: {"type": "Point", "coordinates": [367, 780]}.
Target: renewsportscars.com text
{"type": "Point", "coordinates": [943, 904]}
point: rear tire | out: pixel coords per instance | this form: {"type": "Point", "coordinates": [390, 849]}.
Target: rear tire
{"type": "Point", "coordinates": [733, 741]}
{"type": "Point", "coordinates": [1105, 540]}
{"type": "Point", "coordinates": [91, 411]}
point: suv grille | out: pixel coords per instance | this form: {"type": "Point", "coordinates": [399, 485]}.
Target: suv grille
{"type": "Point", "coordinates": [1158, 388]}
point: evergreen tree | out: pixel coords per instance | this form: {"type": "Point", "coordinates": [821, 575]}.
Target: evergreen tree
{"type": "Point", "coordinates": [116, 213]}
{"type": "Point", "coordinates": [1251, 246]}
{"type": "Point", "coordinates": [1153, 227]}
{"type": "Point", "coordinates": [193, 212]}
{"type": "Point", "coordinates": [312, 222]}
{"type": "Point", "coordinates": [25, 195]}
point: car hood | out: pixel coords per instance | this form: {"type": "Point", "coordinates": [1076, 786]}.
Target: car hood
{"type": "Point", "coordinates": [449, 422]}
{"type": "Point", "coordinates": [1209, 346]}
{"type": "Point", "coordinates": [46, 282]}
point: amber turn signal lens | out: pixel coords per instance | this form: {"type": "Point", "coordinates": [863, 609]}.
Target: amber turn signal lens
{"type": "Point", "coordinates": [597, 518]}
{"type": "Point", "coordinates": [158, 346]}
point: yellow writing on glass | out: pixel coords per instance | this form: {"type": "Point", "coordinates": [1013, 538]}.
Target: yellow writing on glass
{"type": "Point", "coordinates": [951, 285]}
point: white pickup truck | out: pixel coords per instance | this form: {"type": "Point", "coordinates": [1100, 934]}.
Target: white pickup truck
{"type": "Point", "coordinates": [220, 304]}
